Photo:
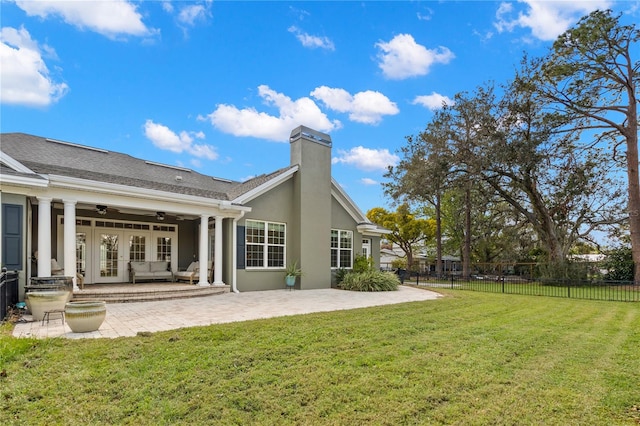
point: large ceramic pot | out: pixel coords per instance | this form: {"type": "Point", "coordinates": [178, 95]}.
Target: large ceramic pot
{"type": "Point", "coordinates": [42, 301]}
{"type": "Point", "coordinates": [47, 294]}
{"type": "Point", "coordinates": [57, 282]}
{"type": "Point", "coordinates": [85, 315]}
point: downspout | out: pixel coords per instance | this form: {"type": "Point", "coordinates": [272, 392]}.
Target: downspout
{"type": "Point", "coordinates": [234, 255]}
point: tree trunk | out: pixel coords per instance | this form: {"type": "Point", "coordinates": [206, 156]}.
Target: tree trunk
{"type": "Point", "coordinates": [634, 183]}
{"type": "Point", "coordinates": [438, 237]}
{"type": "Point", "coordinates": [466, 253]}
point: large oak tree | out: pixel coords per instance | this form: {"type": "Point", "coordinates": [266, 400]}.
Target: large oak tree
{"type": "Point", "coordinates": [592, 74]}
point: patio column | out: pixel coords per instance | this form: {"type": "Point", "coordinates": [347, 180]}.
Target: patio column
{"type": "Point", "coordinates": [217, 253]}
{"type": "Point", "coordinates": [70, 241]}
{"type": "Point", "coordinates": [204, 240]}
{"type": "Point", "coordinates": [44, 237]}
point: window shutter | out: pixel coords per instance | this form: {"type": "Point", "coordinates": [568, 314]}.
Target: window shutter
{"type": "Point", "coordinates": [12, 256]}
{"type": "Point", "coordinates": [240, 247]}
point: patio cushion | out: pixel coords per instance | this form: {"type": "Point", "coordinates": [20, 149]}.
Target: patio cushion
{"type": "Point", "coordinates": [55, 268]}
{"type": "Point", "coordinates": [139, 267]}
{"type": "Point", "coordinates": [158, 266]}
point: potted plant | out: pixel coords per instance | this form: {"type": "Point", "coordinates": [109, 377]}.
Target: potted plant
{"type": "Point", "coordinates": [291, 273]}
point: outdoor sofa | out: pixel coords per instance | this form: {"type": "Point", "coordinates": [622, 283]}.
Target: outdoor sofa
{"type": "Point", "coordinates": [150, 270]}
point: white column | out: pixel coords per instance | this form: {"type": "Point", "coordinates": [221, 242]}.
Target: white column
{"type": "Point", "coordinates": [44, 237]}
{"type": "Point", "coordinates": [217, 253]}
{"type": "Point", "coordinates": [204, 236]}
{"type": "Point", "coordinates": [70, 241]}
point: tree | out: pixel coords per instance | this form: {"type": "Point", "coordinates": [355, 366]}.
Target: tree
{"type": "Point", "coordinates": [406, 230]}
{"type": "Point", "coordinates": [422, 175]}
{"type": "Point", "coordinates": [498, 235]}
{"type": "Point", "coordinates": [526, 154]}
{"type": "Point", "coordinates": [591, 76]}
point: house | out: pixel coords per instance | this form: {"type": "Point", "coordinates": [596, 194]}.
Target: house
{"type": "Point", "coordinates": [94, 211]}
{"type": "Point", "coordinates": [422, 262]}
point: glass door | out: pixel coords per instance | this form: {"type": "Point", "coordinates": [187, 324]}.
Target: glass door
{"type": "Point", "coordinates": [81, 253]}
{"type": "Point", "coordinates": [110, 263]}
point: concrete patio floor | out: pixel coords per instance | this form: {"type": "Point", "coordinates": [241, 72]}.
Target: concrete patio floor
{"type": "Point", "coordinates": [129, 319]}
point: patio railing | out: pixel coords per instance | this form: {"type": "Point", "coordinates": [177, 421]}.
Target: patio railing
{"type": "Point", "coordinates": [8, 291]}
{"type": "Point", "coordinates": [620, 291]}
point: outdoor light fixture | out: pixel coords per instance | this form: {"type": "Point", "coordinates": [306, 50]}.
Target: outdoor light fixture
{"type": "Point", "coordinates": [160, 215]}
{"type": "Point", "coordinates": [102, 210]}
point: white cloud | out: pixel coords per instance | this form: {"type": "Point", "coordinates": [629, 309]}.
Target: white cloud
{"type": "Point", "coordinates": [546, 19]}
{"type": "Point", "coordinates": [364, 107]}
{"type": "Point", "coordinates": [368, 181]}
{"type": "Point", "coordinates": [310, 41]}
{"type": "Point", "coordinates": [433, 101]}
{"type": "Point", "coordinates": [402, 57]}
{"type": "Point", "coordinates": [426, 16]}
{"type": "Point", "coordinates": [190, 14]}
{"type": "Point", "coordinates": [366, 159]}
{"type": "Point", "coordinates": [166, 139]}
{"type": "Point", "coordinates": [109, 18]}
{"type": "Point", "coordinates": [291, 114]}
{"type": "Point", "coordinates": [24, 76]}
{"type": "Point", "coordinates": [167, 6]}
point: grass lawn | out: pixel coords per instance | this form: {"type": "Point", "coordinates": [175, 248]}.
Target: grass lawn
{"type": "Point", "coordinates": [469, 358]}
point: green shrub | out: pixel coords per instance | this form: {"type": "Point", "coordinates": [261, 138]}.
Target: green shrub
{"type": "Point", "coordinates": [400, 263]}
{"type": "Point", "coordinates": [619, 264]}
{"type": "Point", "coordinates": [340, 273]}
{"type": "Point", "coordinates": [362, 263]}
{"type": "Point", "coordinates": [370, 281]}
{"type": "Point", "coordinates": [563, 271]}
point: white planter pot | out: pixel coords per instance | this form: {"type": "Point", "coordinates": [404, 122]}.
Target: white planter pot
{"type": "Point", "coordinates": [40, 302]}
{"type": "Point", "coordinates": [86, 315]}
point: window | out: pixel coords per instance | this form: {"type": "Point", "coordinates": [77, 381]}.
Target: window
{"type": "Point", "coordinates": [137, 248]}
{"type": "Point", "coordinates": [341, 248]}
{"type": "Point", "coordinates": [366, 247]}
{"type": "Point", "coordinates": [265, 244]}
{"type": "Point", "coordinates": [163, 248]}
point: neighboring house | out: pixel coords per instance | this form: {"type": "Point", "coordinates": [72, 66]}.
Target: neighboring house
{"type": "Point", "coordinates": [424, 264]}
{"type": "Point", "coordinates": [95, 210]}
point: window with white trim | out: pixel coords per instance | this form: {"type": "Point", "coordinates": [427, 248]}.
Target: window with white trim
{"type": "Point", "coordinates": [265, 244]}
{"type": "Point", "coordinates": [341, 248]}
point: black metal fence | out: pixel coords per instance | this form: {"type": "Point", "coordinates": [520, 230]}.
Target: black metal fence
{"type": "Point", "coordinates": [620, 291]}
{"type": "Point", "coordinates": [8, 291]}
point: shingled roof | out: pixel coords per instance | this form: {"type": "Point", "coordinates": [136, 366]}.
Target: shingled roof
{"type": "Point", "coordinates": [50, 157]}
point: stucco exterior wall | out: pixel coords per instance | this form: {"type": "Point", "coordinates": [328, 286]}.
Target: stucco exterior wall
{"type": "Point", "coordinates": [276, 206]}
{"type": "Point", "coordinates": [312, 197]}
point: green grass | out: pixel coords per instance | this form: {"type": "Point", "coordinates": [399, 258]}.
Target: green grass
{"type": "Point", "coordinates": [470, 358]}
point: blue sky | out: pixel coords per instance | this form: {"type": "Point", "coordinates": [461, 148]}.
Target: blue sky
{"type": "Point", "coordinates": [218, 86]}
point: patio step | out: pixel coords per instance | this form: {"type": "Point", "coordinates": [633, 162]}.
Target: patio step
{"type": "Point", "coordinates": [156, 293]}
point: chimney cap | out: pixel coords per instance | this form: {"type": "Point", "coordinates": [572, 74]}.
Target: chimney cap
{"type": "Point", "coordinates": [301, 132]}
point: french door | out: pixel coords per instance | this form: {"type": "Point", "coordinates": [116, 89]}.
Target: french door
{"type": "Point", "coordinates": [109, 256]}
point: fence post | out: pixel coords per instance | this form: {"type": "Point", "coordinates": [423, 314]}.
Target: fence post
{"type": "Point", "coordinates": [502, 279]}
{"type": "Point", "coordinates": [452, 281]}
